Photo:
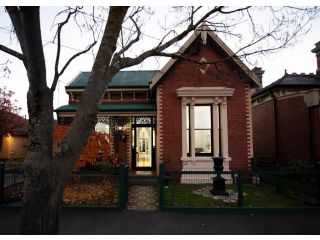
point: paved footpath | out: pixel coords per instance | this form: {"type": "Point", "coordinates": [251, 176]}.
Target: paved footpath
{"type": "Point", "coordinates": [155, 222]}
{"type": "Point", "coordinates": [143, 198]}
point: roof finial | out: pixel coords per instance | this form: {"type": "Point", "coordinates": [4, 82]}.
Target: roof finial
{"type": "Point", "coordinates": [204, 34]}
{"type": "Point", "coordinates": [285, 72]}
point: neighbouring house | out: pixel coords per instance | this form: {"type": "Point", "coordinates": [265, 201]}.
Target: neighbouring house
{"type": "Point", "coordinates": [13, 142]}
{"type": "Point", "coordinates": [286, 118]}
{"type": "Point", "coordinates": [184, 114]}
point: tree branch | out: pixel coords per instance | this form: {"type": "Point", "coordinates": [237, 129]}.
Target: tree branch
{"type": "Point", "coordinates": [12, 52]}
{"type": "Point", "coordinates": [58, 34]}
{"type": "Point", "coordinates": [127, 62]}
{"type": "Point", "coordinates": [58, 73]}
{"type": "Point", "coordinates": [137, 38]}
{"type": "Point", "coordinates": [15, 17]}
{"type": "Point", "coordinates": [57, 76]}
{"type": "Point", "coordinates": [233, 11]}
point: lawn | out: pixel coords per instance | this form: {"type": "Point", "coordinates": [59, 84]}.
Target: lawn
{"type": "Point", "coordinates": [189, 195]}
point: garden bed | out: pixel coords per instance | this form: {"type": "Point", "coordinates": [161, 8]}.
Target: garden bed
{"type": "Point", "coordinates": [104, 193]}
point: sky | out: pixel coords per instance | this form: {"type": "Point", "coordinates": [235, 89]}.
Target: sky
{"type": "Point", "coordinates": [294, 59]}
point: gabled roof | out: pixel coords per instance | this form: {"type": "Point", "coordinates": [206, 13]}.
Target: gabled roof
{"type": "Point", "coordinates": [205, 32]}
{"type": "Point", "coordinates": [292, 80]}
{"type": "Point", "coordinates": [123, 79]}
{"type": "Point", "coordinates": [13, 124]}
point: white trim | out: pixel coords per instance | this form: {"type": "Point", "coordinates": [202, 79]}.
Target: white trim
{"type": "Point", "coordinates": [224, 129]}
{"type": "Point", "coordinates": [205, 95]}
{"type": "Point", "coordinates": [191, 133]}
{"type": "Point", "coordinates": [215, 124]}
{"type": "Point", "coordinates": [184, 134]}
{"type": "Point", "coordinates": [198, 159]}
{"type": "Point", "coordinates": [205, 92]}
{"type": "Point", "coordinates": [219, 42]}
{"type": "Point", "coordinates": [170, 63]}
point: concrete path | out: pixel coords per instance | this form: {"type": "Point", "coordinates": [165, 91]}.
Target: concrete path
{"type": "Point", "coordinates": [155, 222]}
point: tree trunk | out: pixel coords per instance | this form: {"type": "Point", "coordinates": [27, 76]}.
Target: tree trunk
{"type": "Point", "coordinates": [46, 175]}
{"type": "Point", "coordinates": [41, 202]}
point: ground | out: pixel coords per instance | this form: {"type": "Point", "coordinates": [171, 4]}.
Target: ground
{"type": "Point", "coordinates": [155, 222]}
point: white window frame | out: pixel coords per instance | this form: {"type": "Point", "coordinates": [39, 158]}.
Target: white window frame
{"type": "Point", "coordinates": [205, 95]}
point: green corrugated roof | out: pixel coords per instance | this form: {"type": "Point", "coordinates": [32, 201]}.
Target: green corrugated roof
{"type": "Point", "coordinates": [113, 107]}
{"type": "Point", "coordinates": [122, 79]}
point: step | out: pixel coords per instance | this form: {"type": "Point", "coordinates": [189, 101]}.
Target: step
{"type": "Point", "coordinates": [143, 180]}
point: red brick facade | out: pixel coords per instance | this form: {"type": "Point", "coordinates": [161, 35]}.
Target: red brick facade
{"type": "Point", "coordinates": [298, 129]}
{"type": "Point", "coordinates": [186, 74]}
{"type": "Point", "coordinates": [225, 85]}
{"type": "Point", "coordinates": [263, 130]}
{"type": "Point", "coordinates": [315, 131]}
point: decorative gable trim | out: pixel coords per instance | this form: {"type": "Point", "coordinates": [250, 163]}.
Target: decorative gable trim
{"type": "Point", "coordinates": [206, 32]}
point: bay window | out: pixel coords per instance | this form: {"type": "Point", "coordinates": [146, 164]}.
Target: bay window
{"type": "Point", "coordinates": [204, 121]}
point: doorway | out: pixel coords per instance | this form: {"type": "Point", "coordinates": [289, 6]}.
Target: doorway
{"type": "Point", "coordinates": [143, 147]}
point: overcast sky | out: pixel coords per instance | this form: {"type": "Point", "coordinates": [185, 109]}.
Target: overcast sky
{"type": "Point", "coordinates": [295, 59]}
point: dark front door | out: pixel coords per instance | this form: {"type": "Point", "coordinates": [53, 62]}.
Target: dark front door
{"type": "Point", "coordinates": [143, 147]}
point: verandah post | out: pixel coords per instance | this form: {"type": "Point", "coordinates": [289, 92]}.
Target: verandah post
{"type": "Point", "coordinates": [2, 168]}
{"type": "Point", "coordinates": [122, 190]}
{"type": "Point", "coordinates": [161, 185]}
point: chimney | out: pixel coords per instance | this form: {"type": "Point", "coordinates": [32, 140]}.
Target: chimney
{"type": "Point", "coordinates": [316, 50]}
{"type": "Point", "coordinates": [258, 72]}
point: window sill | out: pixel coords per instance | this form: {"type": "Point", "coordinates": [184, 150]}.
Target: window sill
{"type": "Point", "coordinates": [196, 159]}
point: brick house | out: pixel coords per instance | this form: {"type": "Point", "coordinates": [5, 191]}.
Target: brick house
{"type": "Point", "coordinates": [185, 113]}
{"type": "Point", "coordinates": [286, 118]}
{"type": "Point", "coordinates": [13, 141]}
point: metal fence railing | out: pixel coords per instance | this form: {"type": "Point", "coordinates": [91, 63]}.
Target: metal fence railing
{"type": "Point", "coordinates": [247, 189]}
{"type": "Point", "coordinates": [85, 189]}
{"type": "Point", "coordinates": [11, 186]}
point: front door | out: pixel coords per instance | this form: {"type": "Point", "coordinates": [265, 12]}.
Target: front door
{"type": "Point", "coordinates": [143, 148]}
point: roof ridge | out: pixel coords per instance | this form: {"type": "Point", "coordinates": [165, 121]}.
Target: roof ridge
{"type": "Point", "coordinates": [142, 70]}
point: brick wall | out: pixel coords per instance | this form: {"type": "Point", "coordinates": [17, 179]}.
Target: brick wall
{"type": "Point", "coordinates": [263, 130]}
{"type": "Point", "coordinates": [293, 129]}
{"type": "Point", "coordinates": [186, 74]}
{"type": "Point", "coordinates": [315, 131]}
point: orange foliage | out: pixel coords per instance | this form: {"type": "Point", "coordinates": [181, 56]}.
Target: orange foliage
{"type": "Point", "coordinates": [96, 149]}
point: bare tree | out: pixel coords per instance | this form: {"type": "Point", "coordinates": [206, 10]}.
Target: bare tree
{"type": "Point", "coordinates": [46, 174]}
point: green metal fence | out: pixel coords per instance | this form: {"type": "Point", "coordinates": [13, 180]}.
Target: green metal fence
{"type": "Point", "coordinates": [103, 189]}
{"type": "Point", "coordinates": [11, 185]}
{"type": "Point", "coordinates": [248, 190]}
